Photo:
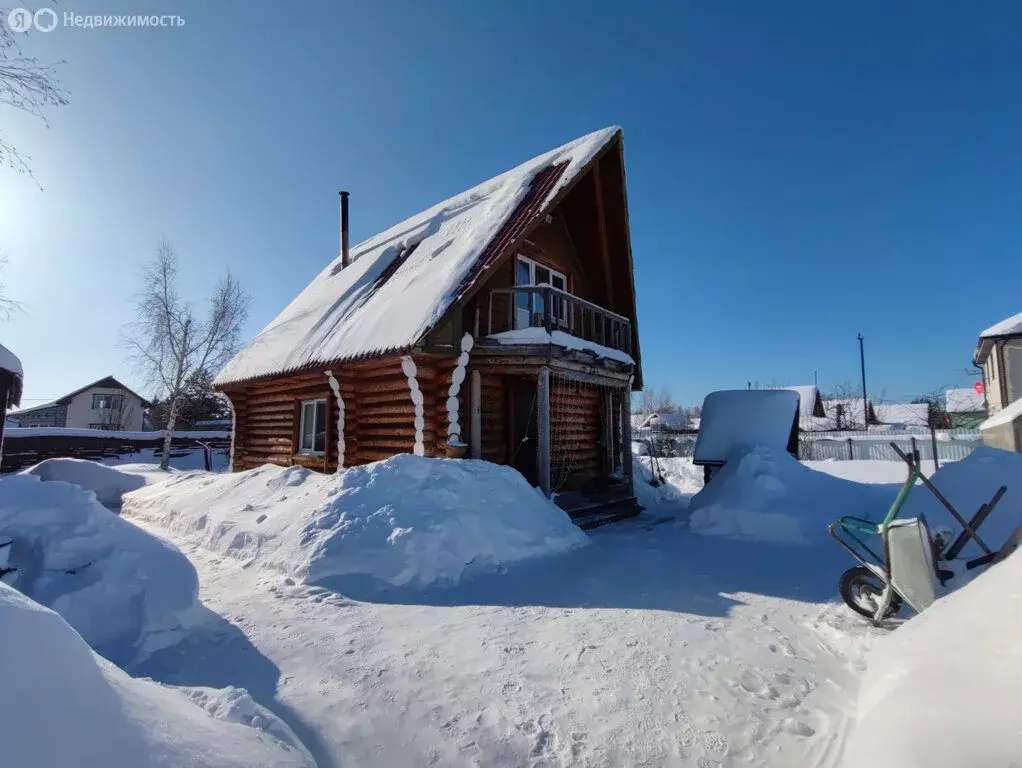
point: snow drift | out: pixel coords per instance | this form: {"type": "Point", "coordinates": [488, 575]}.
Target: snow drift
{"type": "Point", "coordinates": [767, 495]}
{"type": "Point", "coordinates": [62, 705]}
{"type": "Point", "coordinates": [114, 583]}
{"type": "Point", "coordinates": [107, 483]}
{"type": "Point", "coordinates": [967, 484]}
{"type": "Point", "coordinates": [942, 690]}
{"type": "Point", "coordinates": [407, 521]}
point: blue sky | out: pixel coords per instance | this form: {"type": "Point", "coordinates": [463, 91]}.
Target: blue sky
{"type": "Point", "coordinates": [797, 172]}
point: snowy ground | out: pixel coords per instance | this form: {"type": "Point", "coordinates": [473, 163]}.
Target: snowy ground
{"type": "Point", "coordinates": [649, 646]}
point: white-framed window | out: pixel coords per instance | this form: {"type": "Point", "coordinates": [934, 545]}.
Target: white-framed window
{"type": "Point", "coordinates": [103, 402]}
{"type": "Point", "coordinates": [529, 307]}
{"type": "Point", "coordinates": [312, 431]}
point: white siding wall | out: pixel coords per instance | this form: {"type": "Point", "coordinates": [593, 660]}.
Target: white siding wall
{"type": "Point", "coordinates": [80, 413]}
{"type": "Point", "coordinates": [992, 383]}
{"type": "Point", "coordinates": [1013, 369]}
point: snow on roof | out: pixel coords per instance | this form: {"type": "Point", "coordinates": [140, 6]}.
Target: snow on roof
{"type": "Point", "coordinates": [1010, 326]}
{"type": "Point", "coordinates": [908, 414]}
{"type": "Point", "coordinates": [1006, 327]}
{"type": "Point", "coordinates": [9, 361]}
{"type": "Point", "coordinates": [350, 313]}
{"type": "Point", "coordinates": [808, 395]}
{"type": "Point", "coordinates": [560, 339]}
{"type": "Point", "coordinates": [964, 400]}
{"type": "Point", "coordinates": [1003, 416]}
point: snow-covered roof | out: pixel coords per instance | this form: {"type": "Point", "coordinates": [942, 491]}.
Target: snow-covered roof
{"type": "Point", "coordinates": [350, 313]}
{"type": "Point", "coordinates": [964, 400]}
{"type": "Point", "coordinates": [1003, 416]}
{"type": "Point", "coordinates": [9, 361]}
{"type": "Point", "coordinates": [1010, 326]}
{"type": "Point", "coordinates": [1006, 327]}
{"type": "Point", "coordinates": [810, 404]}
{"type": "Point", "coordinates": [907, 414]}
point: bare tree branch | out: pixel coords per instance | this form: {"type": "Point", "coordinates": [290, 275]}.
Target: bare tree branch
{"type": "Point", "coordinates": [26, 85]}
{"type": "Point", "coordinates": [169, 344]}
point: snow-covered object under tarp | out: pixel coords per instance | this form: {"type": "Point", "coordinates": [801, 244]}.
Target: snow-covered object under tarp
{"type": "Point", "coordinates": [408, 521]}
{"type": "Point", "coordinates": [560, 339]}
{"type": "Point", "coordinates": [767, 495]}
{"type": "Point", "coordinates": [942, 691]}
{"type": "Point", "coordinates": [62, 705]}
{"type": "Point", "coordinates": [107, 483]}
{"type": "Point", "coordinates": [344, 313]}
{"type": "Point", "coordinates": [745, 417]}
{"type": "Point", "coordinates": [121, 588]}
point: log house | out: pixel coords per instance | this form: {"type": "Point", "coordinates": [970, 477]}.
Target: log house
{"type": "Point", "coordinates": [500, 324]}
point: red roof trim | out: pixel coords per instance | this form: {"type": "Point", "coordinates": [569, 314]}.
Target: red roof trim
{"type": "Point", "coordinates": [542, 183]}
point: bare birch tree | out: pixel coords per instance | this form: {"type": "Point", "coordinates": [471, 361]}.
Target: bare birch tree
{"type": "Point", "coordinates": [169, 343]}
{"type": "Point", "coordinates": [27, 85]}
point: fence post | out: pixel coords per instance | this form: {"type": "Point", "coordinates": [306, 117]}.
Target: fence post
{"type": "Point", "coordinates": [933, 441]}
{"type": "Point", "coordinates": [851, 451]}
{"type": "Point", "coordinates": [914, 445]}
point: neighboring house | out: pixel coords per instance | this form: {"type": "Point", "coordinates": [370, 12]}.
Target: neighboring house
{"type": "Point", "coordinates": [965, 407]}
{"type": "Point", "coordinates": [104, 404]}
{"type": "Point", "coordinates": [11, 383]}
{"type": "Point", "coordinates": [845, 414]}
{"type": "Point", "coordinates": [500, 323]}
{"type": "Point", "coordinates": [668, 422]}
{"type": "Point", "coordinates": [902, 414]}
{"type": "Point", "coordinates": [999, 354]}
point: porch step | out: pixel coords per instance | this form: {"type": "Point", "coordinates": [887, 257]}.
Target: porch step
{"type": "Point", "coordinates": [602, 513]}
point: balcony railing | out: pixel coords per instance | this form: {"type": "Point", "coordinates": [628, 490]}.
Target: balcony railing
{"type": "Point", "coordinates": [543, 306]}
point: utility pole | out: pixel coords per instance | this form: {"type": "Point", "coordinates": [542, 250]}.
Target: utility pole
{"type": "Point", "coordinates": [862, 367]}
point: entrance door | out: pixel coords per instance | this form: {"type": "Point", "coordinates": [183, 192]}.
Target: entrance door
{"type": "Point", "coordinates": [523, 427]}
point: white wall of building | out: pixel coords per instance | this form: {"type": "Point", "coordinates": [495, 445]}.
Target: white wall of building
{"type": "Point", "coordinates": [82, 415]}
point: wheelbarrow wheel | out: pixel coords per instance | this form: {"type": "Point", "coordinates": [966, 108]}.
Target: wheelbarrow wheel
{"type": "Point", "coordinates": [862, 590]}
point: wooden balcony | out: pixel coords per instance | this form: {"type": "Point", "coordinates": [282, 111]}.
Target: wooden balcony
{"type": "Point", "coordinates": [543, 306]}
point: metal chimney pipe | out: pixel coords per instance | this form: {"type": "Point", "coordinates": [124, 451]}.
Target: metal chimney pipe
{"type": "Point", "coordinates": [344, 229]}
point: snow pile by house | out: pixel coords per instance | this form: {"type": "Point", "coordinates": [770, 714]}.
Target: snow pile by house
{"type": "Point", "coordinates": [767, 495]}
{"type": "Point", "coordinates": [942, 690]}
{"type": "Point", "coordinates": [967, 484]}
{"type": "Point", "coordinates": [408, 521]}
{"type": "Point", "coordinates": [107, 483]}
{"type": "Point", "coordinates": [62, 705]}
{"type": "Point", "coordinates": [117, 585]}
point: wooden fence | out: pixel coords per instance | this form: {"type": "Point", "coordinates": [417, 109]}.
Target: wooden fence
{"type": "Point", "coordinates": [35, 445]}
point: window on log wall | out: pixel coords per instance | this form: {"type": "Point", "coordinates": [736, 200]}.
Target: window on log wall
{"type": "Point", "coordinates": [313, 430]}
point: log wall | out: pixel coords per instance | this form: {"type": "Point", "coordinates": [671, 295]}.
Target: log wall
{"type": "Point", "coordinates": [379, 415]}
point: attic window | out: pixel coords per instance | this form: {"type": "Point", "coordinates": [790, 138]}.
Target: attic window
{"type": "Point", "coordinates": [395, 264]}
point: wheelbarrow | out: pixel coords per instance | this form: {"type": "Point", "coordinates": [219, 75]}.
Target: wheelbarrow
{"type": "Point", "coordinates": [907, 567]}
